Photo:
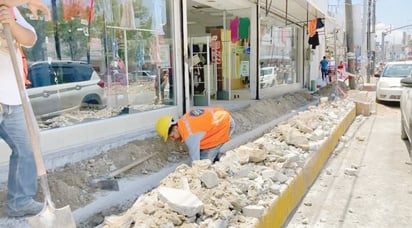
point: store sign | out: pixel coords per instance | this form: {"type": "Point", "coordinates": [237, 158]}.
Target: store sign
{"type": "Point", "coordinates": [244, 68]}
{"type": "Point", "coordinates": [216, 52]}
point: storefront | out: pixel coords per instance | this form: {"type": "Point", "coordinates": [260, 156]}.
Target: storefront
{"type": "Point", "coordinates": [157, 57]}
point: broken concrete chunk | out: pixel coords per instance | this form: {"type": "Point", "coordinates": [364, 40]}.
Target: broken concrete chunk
{"type": "Point", "coordinates": [255, 211]}
{"type": "Point", "coordinates": [294, 137]}
{"type": "Point", "coordinates": [181, 201]}
{"type": "Point", "coordinates": [257, 155]}
{"type": "Point", "coordinates": [269, 174]}
{"type": "Point", "coordinates": [201, 164]}
{"type": "Point", "coordinates": [280, 177]}
{"type": "Point", "coordinates": [237, 201]}
{"type": "Point", "coordinates": [303, 127]}
{"type": "Point", "coordinates": [290, 172]}
{"type": "Point", "coordinates": [240, 154]}
{"type": "Point", "coordinates": [324, 100]}
{"type": "Point", "coordinates": [243, 171]}
{"type": "Point", "coordinates": [209, 178]}
{"type": "Point", "coordinates": [275, 189]}
{"type": "Point", "coordinates": [351, 171]}
{"type": "Point", "coordinates": [292, 157]}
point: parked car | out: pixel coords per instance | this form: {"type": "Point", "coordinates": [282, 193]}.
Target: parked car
{"type": "Point", "coordinates": [388, 87]}
{"type": "Point", "coordinates": [61, 86]}
{"type": "Point", "coordinates": [267, 77]}
{"type": "Point", "coordinates": [406, 109]}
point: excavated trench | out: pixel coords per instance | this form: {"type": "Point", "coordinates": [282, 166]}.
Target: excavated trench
{"type": "Point", "coordinates": [70, 185]}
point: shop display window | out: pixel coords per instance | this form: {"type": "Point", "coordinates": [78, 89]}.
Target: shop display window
{"type": "Point", "coordinates": [127, 45]}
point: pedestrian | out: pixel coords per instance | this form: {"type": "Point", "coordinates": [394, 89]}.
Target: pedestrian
{"type": "Point", "coordinates": [203, 130]}
{"type": "Point", "coordinates": [22, 177]}
{"type": "Point", "coordinates": [160, 90]}
{"type": "Point", "coordinates": [341, 66]}
{"type": "Point", "coordinates": [324, 67]}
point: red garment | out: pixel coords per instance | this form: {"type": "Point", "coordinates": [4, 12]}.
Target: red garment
{"type": "Point", "coordinates": [234, 29]}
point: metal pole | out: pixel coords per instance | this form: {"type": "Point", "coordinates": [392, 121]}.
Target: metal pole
{"type": "Point", "coordinates": [349, 35]}
{"type": "Point", "coordinates": [372, 34]}
{"type": "Point", "coordinates": [337, 60]}
{"type": "Point", "coordinates": [368, 39]}
{"type": "Point", "coordinates": [383, 47]}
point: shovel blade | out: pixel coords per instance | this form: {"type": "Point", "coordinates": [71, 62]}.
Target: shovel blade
{"type": "Point", "coordinates": [51, 217]}
{"type": "Point", "coordinates": [105, 184]}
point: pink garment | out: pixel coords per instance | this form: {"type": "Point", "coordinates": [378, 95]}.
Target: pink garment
{"type": "Point", "coordinates": [234, 29]}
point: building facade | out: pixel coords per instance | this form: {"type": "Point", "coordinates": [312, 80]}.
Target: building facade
{"type": "Point", "coordinates": [158, 57]}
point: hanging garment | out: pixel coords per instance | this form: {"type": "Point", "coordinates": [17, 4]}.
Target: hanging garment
{"type": "Point", "coordinates": [312, 27]}
{"type": "Point", "coordinates": [244, 24]}
{"type": "Point", "coordinates": [105, 5]}
{"type": "Point", "coordinates": [234, 29]}
{"type": "Point", "coordinates": [314, 40]}
{"type": "Point", "coordinates": [159, 17]}
{"type": "Point", "coordinates": [127, 20]}
{"type": "Point", "coordinates": [319, 23]}
{"type": "Point", "coordinates": [285, 32]}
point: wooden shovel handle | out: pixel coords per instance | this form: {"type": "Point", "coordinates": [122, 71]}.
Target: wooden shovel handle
{"type": "Point", "coordinates": [28, 112]}
{"type": "Point", "coordinates": [129, 166]}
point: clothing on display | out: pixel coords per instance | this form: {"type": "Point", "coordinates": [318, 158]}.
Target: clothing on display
{"type": "Point", "coordinates": [234, 29]}
{"type": "Point", "coordinates": [244, 24]}
{"type": "Point", "coordinates": [313, 26]}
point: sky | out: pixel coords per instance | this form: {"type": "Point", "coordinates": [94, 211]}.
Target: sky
{"type": "Point", "coordinates": [394, 12]}
{"type": "Point", "coordinates": [389, 12]}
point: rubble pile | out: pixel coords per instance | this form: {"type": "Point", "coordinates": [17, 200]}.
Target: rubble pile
{"type": "Point", "coordinates": [239, 189]}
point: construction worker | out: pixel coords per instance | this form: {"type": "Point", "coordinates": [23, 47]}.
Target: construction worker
{"type": "Point", "coordinates": [203, 130]}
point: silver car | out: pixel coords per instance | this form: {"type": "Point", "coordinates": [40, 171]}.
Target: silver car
{"type": "Point", "coordinates": [62, 86]}
{"type": "Point", "coordinates": [406, 109]}
{"type": "Point", "coordinates": [388, 87]}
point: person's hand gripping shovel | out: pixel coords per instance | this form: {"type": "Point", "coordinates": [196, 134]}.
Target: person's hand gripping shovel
{"type": "Point", "coordinates": [50, 216]}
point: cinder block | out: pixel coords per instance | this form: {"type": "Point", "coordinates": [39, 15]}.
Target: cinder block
{"type": "Point", "coordinates": [363, 108]}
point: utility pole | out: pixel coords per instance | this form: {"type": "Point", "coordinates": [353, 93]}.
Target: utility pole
{"type": "Point", "coordinates": [370, 30]}
{"type": "Point", "coordinates": [349, 42]}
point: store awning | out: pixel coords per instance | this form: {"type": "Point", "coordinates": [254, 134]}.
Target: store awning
{"type": "Point", "coordinates": [296, 11]}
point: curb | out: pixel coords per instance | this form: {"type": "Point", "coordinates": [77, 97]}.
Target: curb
{"type": "Point", "coordinates": [284, 205]}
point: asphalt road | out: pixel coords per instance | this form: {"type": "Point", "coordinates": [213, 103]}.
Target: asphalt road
{"type": "Point", "coordinates": [367, 181]}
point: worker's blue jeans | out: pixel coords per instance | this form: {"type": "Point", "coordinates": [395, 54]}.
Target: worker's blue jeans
{"type": "Point", "coordinates": [214, 153]}
{"type": "Point", "coordinates": [22, 179]}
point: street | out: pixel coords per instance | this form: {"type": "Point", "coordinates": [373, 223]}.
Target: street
{"type": "Point", "coordinates": [367, 181]}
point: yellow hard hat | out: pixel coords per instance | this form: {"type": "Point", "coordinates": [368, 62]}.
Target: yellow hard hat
{"type": "Point", "coordinates": [162, 126]}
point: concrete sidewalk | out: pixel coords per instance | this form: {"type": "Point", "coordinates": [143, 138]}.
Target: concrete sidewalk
{"type": "Point", "coordinates": [367, 182]}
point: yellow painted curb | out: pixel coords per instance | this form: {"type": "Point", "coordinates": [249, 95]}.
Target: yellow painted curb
{"type": "Point", "coordinates": [282, 207]}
